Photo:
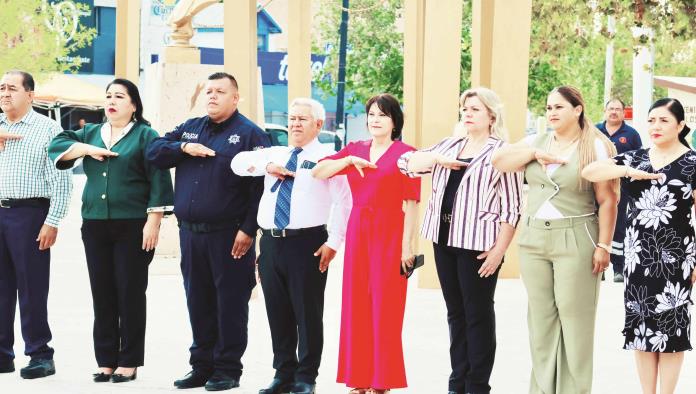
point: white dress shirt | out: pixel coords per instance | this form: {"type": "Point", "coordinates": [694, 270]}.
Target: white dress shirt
{"type": "Point", "coordinates": [314, 202]}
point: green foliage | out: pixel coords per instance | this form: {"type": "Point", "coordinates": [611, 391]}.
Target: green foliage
{"type": "Point", "coordinates": [569, 39]}
{"type": "Point", "coordinates": [374, 62]}
{"type": "Point", "coordinates": [27, 43]}
{"type": "Point", "coordinates": [568, 44]}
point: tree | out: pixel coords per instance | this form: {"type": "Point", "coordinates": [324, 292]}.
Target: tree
{"type": "Point", "coordinates": [568, 42]}
{"type": "Point", "coordinates": [374, 62]}
{"type": "Point", "coordinates": [28, 43]}
{"type": "Point", "coordinates": [569, 38]}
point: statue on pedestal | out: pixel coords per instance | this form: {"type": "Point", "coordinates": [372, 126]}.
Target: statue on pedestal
{"type": "Point", "coordinates": [181, 18]}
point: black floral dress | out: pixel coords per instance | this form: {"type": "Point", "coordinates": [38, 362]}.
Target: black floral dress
{"type": "Point", "coordinates": [659, 253]}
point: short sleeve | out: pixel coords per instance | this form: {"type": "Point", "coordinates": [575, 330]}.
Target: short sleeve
{"type": "Point", "coordinates": [412, 188]}
{"type": "Point", "coordinates": [600, 150]}
{"type": "Point", "coordinates": [623, 159]}
{"type": "Point", "coordinates": [345, 152]}
{"type": "Point", "coordinates": [529, 139]}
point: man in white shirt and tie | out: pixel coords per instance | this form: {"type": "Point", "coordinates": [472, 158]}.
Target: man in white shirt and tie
{"type": "Point", "coordinates": [296, 248]}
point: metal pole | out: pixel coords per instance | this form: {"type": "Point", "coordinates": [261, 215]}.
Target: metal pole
{"type": "Point", "coordinates": [609, 60]}
{"type": "Point", "coordinates": [342, 68]}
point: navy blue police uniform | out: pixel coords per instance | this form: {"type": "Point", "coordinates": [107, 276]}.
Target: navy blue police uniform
{"type": "Point", "coordinates": [212, 204]}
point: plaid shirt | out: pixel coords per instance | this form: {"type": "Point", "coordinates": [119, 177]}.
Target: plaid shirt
{"type": "Point", "coordinates": [25, 169]}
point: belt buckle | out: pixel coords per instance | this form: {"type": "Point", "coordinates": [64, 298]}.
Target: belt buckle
{"type": "Point", "coordinates": [447, 218]}
{"type": "Point", "coordinates": [280, 235]}
{"type": "Point", "coordinates": [2, 201]}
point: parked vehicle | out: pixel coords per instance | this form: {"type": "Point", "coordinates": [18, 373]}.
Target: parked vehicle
{"type": "Point", "coordinates": [279, 136]}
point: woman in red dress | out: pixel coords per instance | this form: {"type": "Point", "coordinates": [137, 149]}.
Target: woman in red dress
{"type": "Point", "coordinates": [379, 242]}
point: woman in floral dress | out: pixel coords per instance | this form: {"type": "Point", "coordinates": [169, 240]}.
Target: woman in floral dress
{"type": "Point", "coordinates": [659, 244]}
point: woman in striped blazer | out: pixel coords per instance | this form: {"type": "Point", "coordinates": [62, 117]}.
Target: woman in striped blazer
{"type": "Point", "coordinates": [471, 219]}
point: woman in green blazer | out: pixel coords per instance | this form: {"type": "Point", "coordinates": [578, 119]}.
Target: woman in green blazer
{"type": "Point", "coordinates": [122, 206]}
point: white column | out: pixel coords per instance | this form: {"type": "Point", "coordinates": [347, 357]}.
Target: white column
{"type": "Point", "coordinates": [643, 64]}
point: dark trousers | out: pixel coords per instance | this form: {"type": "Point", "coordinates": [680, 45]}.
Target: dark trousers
{"type": "Point", "coordinates": [117, 266]}
{"type": "Point", "coordinates": [24, 271]}
{"type": "Point", "coordinates": [218, 289]}
{"type": "Point", "coordinates": [617, 258]}
{"type": "Point", "coordinates": [471, 317]}
{"type": "Point", "coordinates": [293, 289]}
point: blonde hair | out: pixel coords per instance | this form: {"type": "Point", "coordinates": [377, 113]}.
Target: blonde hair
{"type": "Point", "coordinates": [493, 105]}
{"type": "Point", "coordinates": [588, 134]}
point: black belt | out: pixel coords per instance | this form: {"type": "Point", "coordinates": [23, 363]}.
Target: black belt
{"type": "Point", "coordinates": [198, 227]}
{"type": "Point", "coordinates": [293, 232]}
{"type": "Point", "coordinates": [24, 202]}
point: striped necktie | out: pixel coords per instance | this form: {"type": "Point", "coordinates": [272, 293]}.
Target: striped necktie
{"type": "Point", "coordinates": [282, 210]}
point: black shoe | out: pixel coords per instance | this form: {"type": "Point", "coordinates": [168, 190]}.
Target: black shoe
{"type": "Point", "coordinates": [193, 379]}
{"type": "Point", "coordinates": [221, 381]}
{"type": "Point", "coordinates": [7, 367]}
{"type": "Point", "coordinates": [277, 386]}
{"type": "Point", "coordinates": [101, 377]}
{"type": "Point", "coordinates": [38, 368]}
{"type": "Point", "coordinates": [618, 277]}
{"type": "Point", "coordinates": [120, 378]}
{"type": "Point", "coordinates": [302, 388]}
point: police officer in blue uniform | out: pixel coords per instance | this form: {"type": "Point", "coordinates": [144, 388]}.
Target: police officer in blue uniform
{"type": "Point", "coordinates": [217, 212]}
{"type": "Point", "coordinates": [625, 138]}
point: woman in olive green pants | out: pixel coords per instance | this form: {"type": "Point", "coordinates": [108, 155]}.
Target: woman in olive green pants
{"type": "Point", "coordinates": [563, 241]}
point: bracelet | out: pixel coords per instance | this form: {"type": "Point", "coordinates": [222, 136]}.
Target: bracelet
{"type": "Point", "coordinates": [183, 145]}
{"type": "Point", "coordinates": [604, 246]}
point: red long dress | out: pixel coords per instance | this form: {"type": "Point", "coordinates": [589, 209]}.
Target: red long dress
{"type": "Point", "coordinates": [374, 293]}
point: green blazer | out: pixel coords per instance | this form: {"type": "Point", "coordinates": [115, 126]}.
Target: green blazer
{"type": "Point", "coordinates": [122, 187]}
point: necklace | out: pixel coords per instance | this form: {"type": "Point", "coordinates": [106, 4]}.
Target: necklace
{"type": "Point", "coordinates": [568, 145]}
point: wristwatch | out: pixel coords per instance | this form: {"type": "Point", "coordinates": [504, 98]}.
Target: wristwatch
{"type": "Point", "coordinates": [603, 246]}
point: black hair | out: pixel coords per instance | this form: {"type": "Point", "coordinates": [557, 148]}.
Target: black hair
{"type": "Point", "coordinates": [391, 107]}
{"type": "Point", "coordinates": [134, 96]}
{"type": "Point", "coordinates": [27, 79]}
{"type": "Point", "coordinates": [611, 100]}
{"type": "Point", "coordinates": [677, 109]}
{"type": "Point", "coordinates": [222, 75]}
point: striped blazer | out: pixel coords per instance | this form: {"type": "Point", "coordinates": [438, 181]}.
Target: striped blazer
{"type": "Point", "coordinates": [485, 198]}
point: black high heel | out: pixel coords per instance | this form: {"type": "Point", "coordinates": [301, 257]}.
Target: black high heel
{"type": "Point", "coordinates": [101, 377]}
{"type": "Point", "coordinates": [119, 378]}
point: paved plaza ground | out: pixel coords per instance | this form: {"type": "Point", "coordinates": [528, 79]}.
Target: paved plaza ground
{"type": "Point", "coordinates": [425, 335]}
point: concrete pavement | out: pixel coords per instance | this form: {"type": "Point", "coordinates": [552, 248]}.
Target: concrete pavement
{"type": "Point", "coordinates": [425, 335]}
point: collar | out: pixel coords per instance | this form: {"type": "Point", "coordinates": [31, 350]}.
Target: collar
{"type": "Point", "coordinates": [105, 132]}
{"type": "Point", "coordinates": [313, 145]}
{"type": "Point", "coordinates": [28, 118]}
{"type": "Point", "coordinates": [216, 127]}
{"type": "Point", "coordinates": [621, 128]}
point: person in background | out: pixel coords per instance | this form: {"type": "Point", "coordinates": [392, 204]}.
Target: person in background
{"type": "Point", "coordinates": [660, 185]}
{"type": "Point", "coordinates": [379, 244]}
{"type": "Point", "coordinates": [123, 203]}
{"type": "Point", "coordinates": [625, 138]}
{"type": "Point", "coordinates": [34, 198]}
{"type": "Point", "coordinates": [470, 219]}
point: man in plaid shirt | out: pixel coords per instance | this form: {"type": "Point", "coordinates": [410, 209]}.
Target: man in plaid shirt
{"type": "Point", "coordinates": [34, 197]}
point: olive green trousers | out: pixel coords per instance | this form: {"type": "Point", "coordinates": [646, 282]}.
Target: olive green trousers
{"type": "Point", "coordinates": [556, 267]}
